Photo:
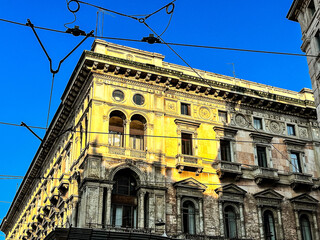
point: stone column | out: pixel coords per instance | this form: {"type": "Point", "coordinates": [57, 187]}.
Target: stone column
{"type": "Point", "coordinates": [220, 208]}
{"type": "Point", "coordinates": [243, 229]}
{"type": "Point", "coordinates": [315, 222]}
{"type": "Point", "coordinates": [152, 211]}
{"type": "Point", "coordinates": [108, 205]}
{"type": "Point", "coordinates": [141, 209]}
{"type": "Point", "coordinates": [179, 227]}
{"type": "Point", "coordinates": [260, 222]}
{"type": "Point", "coordinates": [280, 224]}
{"type": "Point", "coordinates": [126, 125]}
{"type": "Point", "coordinates": [201, 215]}
{"type": "Point", "coordinates": [296, 214]}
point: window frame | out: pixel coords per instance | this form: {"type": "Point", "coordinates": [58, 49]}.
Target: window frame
{"type": "Point", "coordinates": [118, 91]}
{"type": "Point", "coordinates": [265, 162]}
{"type": "Point", "coordinates": [264, 222]}
{"type": "Point", "coordinates": [299, 161]}
{"type": "Point", "coordinates": [260, 122]}
{"type": "Point", "coordinates": [294, 133]}
{"type": "Point", "coordinates": [236, 221]}
{"type": "Point", "coordinates": [135, 100]}
{"type": "Point", "coordinates": [226, 116]}
{"type": "Point", "coordinates": [185, 106]}
{"type": "Point", "coordinates": [230, 150]}
{"type": "Point", "coordinates": [183, 146]}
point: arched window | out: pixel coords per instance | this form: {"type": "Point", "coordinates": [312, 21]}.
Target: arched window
{"type": "Point", "coordinates": [230, 222]}
{"type": "Point", "coordinates": [116, 129]}
{"type": "Point", "coordinates": [124, 199]}
{"type": "Point", "coordinates": [188, 211]}
{"type": "Point", "coordinates": [137, 132]}
{"type": "Point", "coordinates": [268, 226]}
{"type": "Point", "coordinates": [305, 227]}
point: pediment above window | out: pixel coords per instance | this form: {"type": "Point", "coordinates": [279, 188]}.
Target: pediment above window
{"type": "Point", "coordinates": [261, 138]}
{"type": "Point", "coordinates": [268, 198]}
{"type": "Point", "coordinates": [231, 193]}
{"type": "Point", "coordinates": [304, 202]}
{"type": "Point", "coordinates": [190, 183]}
{"type": "Point", "coordinates": [227, 132]}
{"type": "Point", "coordinates": [295, 142]}
{"type": "Point", "coordinates": [186, 123]}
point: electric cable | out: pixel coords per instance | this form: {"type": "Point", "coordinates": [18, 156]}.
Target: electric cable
{"type": "Point", "coordinates": [174, 44]}
{"type": "Point", "coordinates": [50, 99]}
{"type": "Point", "coordinates": [149, 135]}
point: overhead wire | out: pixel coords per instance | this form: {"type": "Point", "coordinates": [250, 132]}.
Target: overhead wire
{"type": "Point", "coordinates": [172, 43]}
{"type": "Point", "coordinates": [146, 135]}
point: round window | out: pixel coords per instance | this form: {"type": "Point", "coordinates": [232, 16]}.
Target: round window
{"type": "Point", "coordinates": [138, 99]}
{"type": "Point", "coordinates": [118, 95]}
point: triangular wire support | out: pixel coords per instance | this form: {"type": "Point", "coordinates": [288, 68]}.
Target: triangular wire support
{"type": "Point", "coordinates": [57, 70]}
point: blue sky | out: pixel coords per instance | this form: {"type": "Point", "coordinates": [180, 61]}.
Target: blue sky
{"type": "Point", "coordinates": [26, 79]}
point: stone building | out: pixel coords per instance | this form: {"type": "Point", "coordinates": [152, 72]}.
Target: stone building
{"type": "Point", "coordinates": [307, 13]}
{"type": "Point", "coordinates": [141, 148]}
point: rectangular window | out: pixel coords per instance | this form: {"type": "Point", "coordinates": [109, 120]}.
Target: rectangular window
{"type": "Point", "coordinates": [290, 129]}
{"type": "Point", "coordinates": [311, 9]}
{"type": "Point", "coordinates": [185, 109]}
{"type": "Point", "coordinates": [116, 138]}
{"type": "Point", "coordinates": [186, 143]}
{"type": "Point", "coordinates": [295, 161]}
{"type": "Point", "coordinates": [223, 117]}
{"type": "Point", "coordinates": [262, 156]}
{"type": "Point", "coordinates": [317, 39]}
{"type": "Point", "coordinates": [225, 150]}
{"type": "Point", "coordinates": [257, 123]}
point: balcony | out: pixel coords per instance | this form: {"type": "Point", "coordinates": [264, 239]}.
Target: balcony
{"type": "Point", "coordinates": [301, 181]}
{"type": "Point", "coordinates": [266, 175]}
{"type": "Point", "coordinates": [228, 169]}
{"type": "Point", "coordinates": [138, 153]}
{"type": "Point", "coordinates": [117, 150]}
{"type": "Point", "coordinates": [189, 163]}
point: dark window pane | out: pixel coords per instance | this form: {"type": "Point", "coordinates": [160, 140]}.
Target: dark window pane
{"type": "Point", "coordinates": [268, 225]}
{"type": "Point", "coordinates": [185, 109]}
{"type": "Point", "coordinates": [186, 143]}
{"type": "Point", "coordinates": [223, 117]}
{"type": "Point", "coordinates": [305, 228]}
{"type": "Point", "coordinates": [230, 222]}
{"type": "Point", "coordinates": [225, 150]}
{"type": "Point", "coordinates": [188, 211]}
{"type": "Point", "coordinates": [257, 123]}
{"type": "Point", "coordinates": [118, 95]}
{"type": "Point", "coordinates": [138, 99]}
{"type": "Point", "coordinates": [262, 156]}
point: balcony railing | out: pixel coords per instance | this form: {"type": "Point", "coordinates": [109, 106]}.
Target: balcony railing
{"type": "Point", "coordinates": [117, 150]}
{"type": "Point", "coordinates": [262, 174]}
{"type": "Point", "coordinates": [189, 163]}
{"type": "Point", "coordinates": [300, 180]}
{"type": "Point", "coordinates": [138, 154]}
{"type": "Point", "coordinates": [228, 169]}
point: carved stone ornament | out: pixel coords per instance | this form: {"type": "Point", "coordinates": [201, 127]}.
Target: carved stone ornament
{"type": "Point", "coordinates": [204, 113]}
{"type": "Point", "coordinates": [274, 127]}
{"type": "Point", "coordinates": [240, 120]}
{"type": "Point", "coordinates": [129, 57]}
{"type": "Point", "coordinates": [303, 132]}
{"type": "Point", "coordinates": [171, 106]}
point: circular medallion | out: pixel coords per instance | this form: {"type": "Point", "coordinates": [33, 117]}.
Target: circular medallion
{"type": "Point", "coordinates": [204, 113]}
{"type": "Point", "coordinates": [274, 127]}
{"type": "Point", "coordinates": [241, 121]}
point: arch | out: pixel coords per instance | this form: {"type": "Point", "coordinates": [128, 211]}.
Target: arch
{"type": "Point", "coordinates": [269, 225]}
{"type": "Point", "coordinates": [231, 220]}
{"type": "Point", "coordinates": [137, 132]}
{"type": "Point", "coordinates": [116, 128]}
{"type": "Point", "coordinates": [137, 171]}
{"type": "Point", "coordinates": [305, 227]}
{"type": "Point", "coordinates": [140, 114]}
{"type": "Point", "coordinates": [189, 216]}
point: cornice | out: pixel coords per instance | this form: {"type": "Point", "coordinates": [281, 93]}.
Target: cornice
{"type": "Point", "coordinates": [177, 80]}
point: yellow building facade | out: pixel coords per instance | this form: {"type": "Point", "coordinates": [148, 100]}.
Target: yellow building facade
{"type": "Point", "coordinates": [142, 146]}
